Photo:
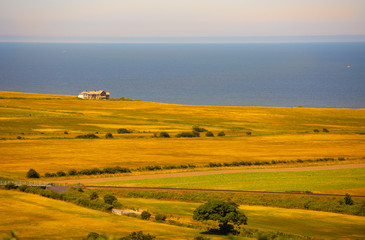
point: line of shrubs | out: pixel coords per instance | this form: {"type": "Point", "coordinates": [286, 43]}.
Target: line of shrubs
{"type": "Point", "coordinates": [157, 167]}
{"type": "Point", "coordinates": [318, 203]}
{"type": "Point", "coordinates": [91, 171]}
{"type": "Point", "coordinates": [110, 170]}
{"type": "Point", "coordinates": [73, 195]}
{"type": "Point", "coordinates": [273, 162]}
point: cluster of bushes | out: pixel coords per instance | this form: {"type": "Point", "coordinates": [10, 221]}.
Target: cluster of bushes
{"type": "Point", "coordinates": [325, 130]}
{"type": "Point", "coordinates": [317, 203]}
{"type": "Point", "coordinates": [124, 130]}
{"type": "Point", "coordinates": [273, 162]}
{"type": "Point", "coordinates": [157, 167]}
{"type": "Point", "coordinates": [132, 236]}
{"type": "Point", "coordinates": [91, 171]}
{"type": "Point", "coordinates": [87, 136]}
{"type": "Point", "coordinates": [76, 196]}
{"type": "Point", "coordinates": [188, 134]}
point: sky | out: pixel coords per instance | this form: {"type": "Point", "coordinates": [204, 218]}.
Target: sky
{"type": "Point", "coordinates": [180, 20]}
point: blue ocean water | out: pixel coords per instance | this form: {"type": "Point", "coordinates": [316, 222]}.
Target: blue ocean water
{"type": "Point", "coordinates": [277, 74]}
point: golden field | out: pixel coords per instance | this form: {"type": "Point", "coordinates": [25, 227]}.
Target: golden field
{"type": "Point", "coordinates": [35, 217]}
{"type": "Point", "coordinates": [277, 133]}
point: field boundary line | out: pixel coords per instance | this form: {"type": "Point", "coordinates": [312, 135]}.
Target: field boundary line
{"type": "Point", "coordinates": [218, 190]}
{"type": "Point", "coordinates": [213, 172]}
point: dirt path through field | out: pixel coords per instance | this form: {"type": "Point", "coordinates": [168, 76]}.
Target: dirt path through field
{"type": "Point", "coordinates": [189, 174]}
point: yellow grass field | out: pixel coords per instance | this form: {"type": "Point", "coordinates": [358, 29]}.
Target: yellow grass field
{"type": "Point", "coordinates": [277, 133]}
{"type": "Point", "coordinates": [35, 217]}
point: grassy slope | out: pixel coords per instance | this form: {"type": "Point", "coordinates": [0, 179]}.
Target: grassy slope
{"type": "Point", "coordinates": [294, 221]}
{"type": "Point", "coordinates": [314, 181]}
{"type": "Point", "coordinates": [278, 133]}
{"type": "Point", "coordinates": [35, 217]}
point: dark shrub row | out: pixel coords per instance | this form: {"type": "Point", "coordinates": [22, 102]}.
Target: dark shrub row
{"type": "Point", "coordinates": [355, 206]}
{"type": "Point", "coordinates": [73, 195]}
{"type": "Point", "coordinates": [188, 134]}
{"type": "Point", "coordinates": [273, 162]}
{"type": "Point", "coordinates": [157, 167]}
{"type": "Point", "coordinates": [92, 171]}
{"type": "Point", "coordinates": [87, 136]}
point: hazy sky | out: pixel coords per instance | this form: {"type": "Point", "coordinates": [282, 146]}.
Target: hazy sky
{"type": "Point", "coordinates": [110, 19]}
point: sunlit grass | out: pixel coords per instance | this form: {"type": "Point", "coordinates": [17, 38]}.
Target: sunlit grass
{"type": "Point", "coordinates": [295, 221]}
{"type": "Point", "coordinates": [323, 180]}
{"type": "Point", "coordinates": [35, 217]}
{"type": "Point", "coordinates": [277, 133]}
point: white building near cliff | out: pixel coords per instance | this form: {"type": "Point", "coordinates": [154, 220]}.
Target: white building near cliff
{"type": "Point", "coordinates": [98, 95]}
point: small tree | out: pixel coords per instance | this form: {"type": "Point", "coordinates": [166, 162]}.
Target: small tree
{"type": "Point", "coordinates": [348, 199]}
{"type": "Point", "coordinates": [109, 199]}
{"type": "Point", "coordinates": [160, 217]}
{"type": "Point", "coordinates": [226, 213]}
{"type": "Point", "coordinates": [221, 134]}
{"type": "Point", "coordinates": [209, 134]}
{"type": "Point", "coordinates": [325, 130]}
{"type": "Point", "coordinates": [145, 215]}
{"type": "Point", "coordinates": [108, 135]}
{"type": "Point", "coordinates": [316, 130]}
{"type": "Point", "coordinates": [32, 173]}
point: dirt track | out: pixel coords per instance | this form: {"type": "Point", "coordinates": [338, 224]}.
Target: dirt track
{"type": "Point", "coordinates": [188, 174]}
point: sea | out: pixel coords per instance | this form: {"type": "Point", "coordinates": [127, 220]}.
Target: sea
{"type": "Point", "coordinates": [250, 74]}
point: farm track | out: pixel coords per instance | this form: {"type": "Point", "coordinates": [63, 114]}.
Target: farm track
{"type": "Point", "coordinates": [189, 174]}
{"type": "Point", "coordinates": [217, 190]}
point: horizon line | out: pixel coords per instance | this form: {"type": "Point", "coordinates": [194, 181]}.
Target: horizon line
{"type": "Point", "coordinates": [187, 39]}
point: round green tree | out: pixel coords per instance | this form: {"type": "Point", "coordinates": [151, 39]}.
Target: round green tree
{"type": "Point", "coordinates": [109, 199]}
{"type": "Point", "coordinates": [226, 213]}
{"type": "Point", "coordinates": [32, 174]}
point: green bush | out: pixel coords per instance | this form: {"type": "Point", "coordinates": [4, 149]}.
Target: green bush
{"type": "Point", "coordinates": [160, 218]}
{"type": "Point", "coordinates": [32, 174]}
{"type": "Point", "coordinates": [72, 172]}
{"type": "Point", "coordinates": [145, 215]}
{"type": "Point", "coordinates": [61, 174]}
{"type": "Point", "coordinates": [188, 134]}
{"type": "Point", "coordinates": [325, 130]}
{"type": "Point", "coordinates": [138, 236]}
{"type": "Point", "coordinates": [23, 188]}
{"type": "Point", "coordinates": [10, 186]}
{"type": "Point", "coordinates": [164, 135]}
{"type": "Point", "coordinates": [221, 134]}
{"type": "Point", "coordinates": [92, 236]}
{"type": "Point", "coordinates": [117, 204]}
{"type": "Point", "coordinates": [87, 136]}
{"type": "Point", "coordinates": [123, 130]}
{"type": "Point", "coordinates": [316, 130]}
{"type": "Point", "coordinates": [199, 129]}
{"type": "Point", "coordinates": [94, 196]}
{"type": "Point", "coordinates": [209, 134]}
{"type": "Point", "coordinates": [109, 199]}
{"type": "Point", "coordinates": [108, 136]}
{"type": "Point", "coordinates": [348, 199]}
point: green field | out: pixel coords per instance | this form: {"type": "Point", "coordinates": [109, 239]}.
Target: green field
{"type": "Point", "coordinates": [315, 181]}
{"type": "Point", "coordinates": [293, 221]}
